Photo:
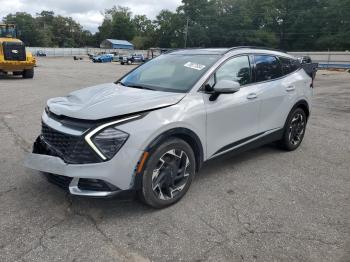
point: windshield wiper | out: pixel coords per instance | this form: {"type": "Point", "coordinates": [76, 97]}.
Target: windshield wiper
{"type": "Point", "coordinates": [135, 86]}
{"type": "Point", "coordinates": [140, 87]}
{"type": "Point", "coordinates": [120, 83]}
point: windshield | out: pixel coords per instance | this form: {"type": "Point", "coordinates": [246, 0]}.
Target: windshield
{"type": "Point", "coordinates": [170, 72]}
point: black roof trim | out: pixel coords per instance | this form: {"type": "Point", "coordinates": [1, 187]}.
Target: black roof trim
{"type": "Point", "coordinates": [254, 47]}
{"type": "Point", "coordinates": [220, 50]}
{"type": "Point", "coordinates": [199, 51]}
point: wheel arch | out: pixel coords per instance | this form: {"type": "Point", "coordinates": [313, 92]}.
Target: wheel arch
{"type": "Point", "coordinates": [179, 132]}
{"type": "Point", "coordinates": [303, 104]}
{"type": "Point", "coordinates": [185, 134]}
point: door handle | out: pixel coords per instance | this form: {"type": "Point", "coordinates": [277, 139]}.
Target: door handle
{"type": "Point", "coordinates": [252, 96]}
{"type": "Point", "coordinates": [290, 88]}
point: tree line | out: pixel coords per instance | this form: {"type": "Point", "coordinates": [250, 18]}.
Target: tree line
{"type": "Point", "coordinates": [284, 24]}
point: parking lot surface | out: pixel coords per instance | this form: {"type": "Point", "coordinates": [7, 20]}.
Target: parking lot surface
{"type": "Point", "coordinates": [263, 205]}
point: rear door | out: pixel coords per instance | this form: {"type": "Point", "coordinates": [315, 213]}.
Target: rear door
{"type": "Point", "coordinates": [277, 92]}
{"type": "Point", "coordinates": [232, 118]}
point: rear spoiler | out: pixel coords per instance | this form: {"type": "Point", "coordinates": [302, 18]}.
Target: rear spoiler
{"type": "Point", "coordinates": [310, 69]}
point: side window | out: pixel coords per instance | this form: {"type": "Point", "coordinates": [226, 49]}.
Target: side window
{"type": "Point", "coordinates": [267, 68]}
{"type": "Point", "coordinates": [295, 64]}
{"type": "Point", "coordinates": [236, 69]}
{"type": "Point", "coordinates": [289, 65]}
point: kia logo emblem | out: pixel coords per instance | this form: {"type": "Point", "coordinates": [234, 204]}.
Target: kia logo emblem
{"type": "Point", "coordinates": [15, 51]}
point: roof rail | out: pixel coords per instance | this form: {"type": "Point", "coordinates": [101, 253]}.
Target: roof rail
{"type": "Point", "coordinates": [254, 47]}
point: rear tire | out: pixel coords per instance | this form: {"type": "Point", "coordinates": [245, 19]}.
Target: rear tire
{"type": "Point", "coordinates": [294, 130]}
{"type": "Point", "coordinates": [168, 173]}
{"type": "Point", "coordinates": [28, 73]}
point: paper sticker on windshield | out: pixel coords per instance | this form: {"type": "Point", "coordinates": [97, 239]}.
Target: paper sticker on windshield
{"type": "Point", "coordinates": [194, 66]}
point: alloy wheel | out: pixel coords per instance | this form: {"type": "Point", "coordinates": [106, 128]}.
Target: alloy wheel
{"type": "Point", "coordinates": [296, 129]}
{"type": "Point", "coordinates": [171, 174]}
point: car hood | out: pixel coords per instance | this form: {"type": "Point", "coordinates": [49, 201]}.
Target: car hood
{"type": "Point", "coordinates": [110, 100]}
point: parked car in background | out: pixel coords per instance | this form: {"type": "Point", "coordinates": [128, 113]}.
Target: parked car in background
{"type": "Point", "coordinates": [131, 59]}
{"type": "Point", "coordinates": [104, 58]}
{"type": "Point", "coordinates": [116, 58]}
{"type": "Point", "coordinates": [305, 59]}
{"type": "Point", "coordinates": [151, 130]}
{"type": "Point", "coordinates": [40, 53]}
{"type": "Point", "coordinates": [77, 57]}
{"type": "Point", "coordinates": [153, 52]}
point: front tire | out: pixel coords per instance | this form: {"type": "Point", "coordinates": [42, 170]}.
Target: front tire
{"type": "Point", "coordinates": [168, 173]}
{"type": "Point", "coordinates": [294, 130]}
{"type": "Point", "coordinates": [28, 73]}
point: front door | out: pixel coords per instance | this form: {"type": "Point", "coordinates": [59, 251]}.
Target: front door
{"type": "Point", "coordinates": [232, 118]}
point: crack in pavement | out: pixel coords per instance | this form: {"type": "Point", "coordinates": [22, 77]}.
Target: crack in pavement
{"type": "Point", "coordinates": [247, 227]}
{"type": "Point", "coordinates": [41, 239]}
{"type": "Point", "coordinates": [291, 235]}
{"type": "Point", "coordinates": [2, 193]}
{"type": "Point", "coordinates": [249, 230]}
{"type": "Point", "coordinates": [217, 243]}
{"type": "Point", "coordinates": [45, 231]}
{"type": "Point", "coordinates": [70, 212]}
{"type": "Point", "coordinates": [19, 140]}
{"type": "Point", "coordinates": [121, 252]}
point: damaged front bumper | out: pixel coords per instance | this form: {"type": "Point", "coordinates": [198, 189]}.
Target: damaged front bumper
{"type": "Point", "coordinates": [78, 179]}
{"type": "Point", "coordinates": [94, 180]}
{"type": "Point", "coordinates": [62, 152]}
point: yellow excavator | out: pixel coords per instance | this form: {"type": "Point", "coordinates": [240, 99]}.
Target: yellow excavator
{"type": "Point", "coordinates": [13, 55]}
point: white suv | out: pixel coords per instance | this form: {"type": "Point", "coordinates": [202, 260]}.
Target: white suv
{"type": "Point", "coordinates": [152, 129]}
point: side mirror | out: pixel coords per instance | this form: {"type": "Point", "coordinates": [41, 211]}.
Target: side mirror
{"type": "Point", "coordinates": [227, 87]}
{"type": "Point", "coordinates": [224, 87]}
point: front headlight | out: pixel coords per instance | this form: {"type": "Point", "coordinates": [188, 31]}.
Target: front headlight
{"type": "Point", "coordinates": [109, 141]}
{"type": "Point", "coordinates": [106, 140]}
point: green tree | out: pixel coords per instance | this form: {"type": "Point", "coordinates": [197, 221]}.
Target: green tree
{"type": "Point", "coordinates": [335, 26]}
{"type": "Point", "coordinates": [287, 24]}
{"type": "Point", "coordinates": [143, 25]}
{"type": "Point", "coordinates": [26, 26]}
{"type": "Point", "coordinates": [144, 32]}
{"type": "Point", "coordinates": [201, 17]}
{"type": "Point", "coordinates": [66, 32]}
{"type": "Point", "coordinates": [117, 24]}
{"type": "Point", "coordinates": [169, 30]}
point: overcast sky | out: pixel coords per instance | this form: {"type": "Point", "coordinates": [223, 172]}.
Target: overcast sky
{"type": "Point", "coordinates": [86, 12]}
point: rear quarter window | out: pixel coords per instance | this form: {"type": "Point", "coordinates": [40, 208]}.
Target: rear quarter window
{"type": "Point", "coordinates": [289, 65]}
{"type": "Point", "coordinates": [267, 68]}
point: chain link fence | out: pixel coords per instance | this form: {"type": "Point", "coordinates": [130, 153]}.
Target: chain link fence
{"type": "Point", "coordinates": [51, 51]}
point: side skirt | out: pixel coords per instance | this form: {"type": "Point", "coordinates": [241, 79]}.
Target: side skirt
{"type": "Point", "coordinates": [248, 144]}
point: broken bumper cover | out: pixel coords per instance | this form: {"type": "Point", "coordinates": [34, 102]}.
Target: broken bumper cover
{"type": "Point", "coordinates": [116, 175]}
{"type": "Point", "coordinates": [72, 173]}
{"type": "Point", "coordinates": [89, 187]}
